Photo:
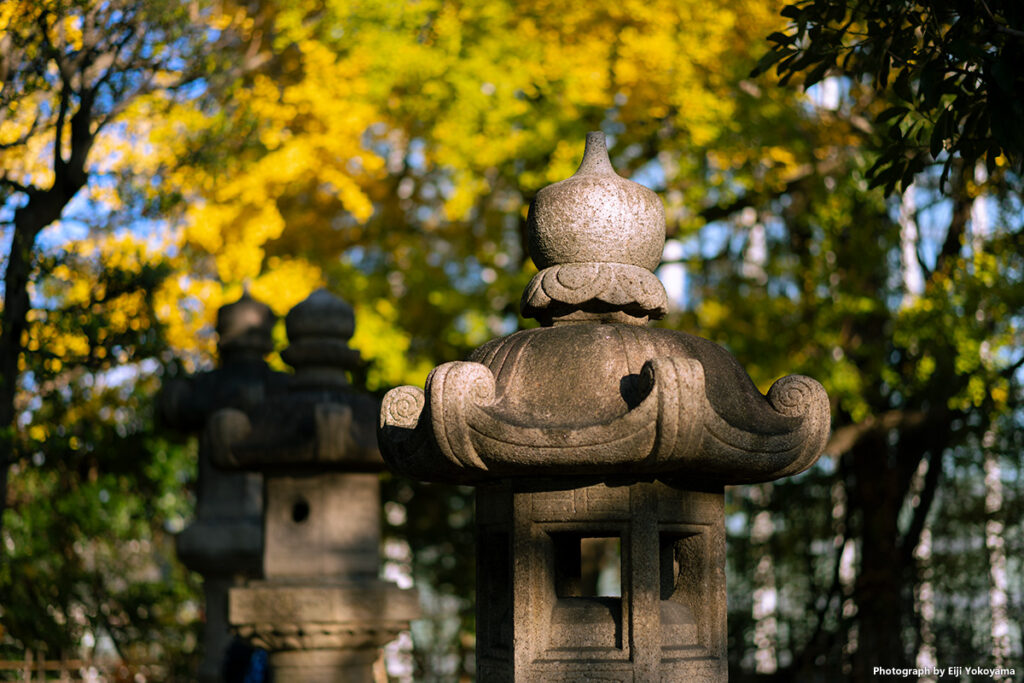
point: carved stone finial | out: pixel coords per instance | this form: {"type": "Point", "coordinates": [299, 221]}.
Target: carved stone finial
{"type": "Point", "coordinates": [596, 237]}
{"type": "Point", "coordinates": [318, 331]}
{"type": "Point", "coordinates": [319, 423]}
{"type": "Point", "coordinates": [596, 217]}
{"type": "Point", "coordinates": [321, 314]}
{"type": "Point", "coordinates": [244, 328]}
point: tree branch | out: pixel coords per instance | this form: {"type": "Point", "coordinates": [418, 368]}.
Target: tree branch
{"type": "Point", "coordinates": [123, 102]}
{"type": "Point", "coordinates": [58, 136]}
{"type": "Point", "coordinates": [802, 174]}
{"type": "Point", "coordinates": [845, 438]}
{"type": "Point", "coordinates": [16, 186]}
{"type": "Point", "coordinates": [957, 224]}
{"type": "Point", "coordinates": [1011, 370]}
{"type": "Point", "coordinates": [1001, 28]}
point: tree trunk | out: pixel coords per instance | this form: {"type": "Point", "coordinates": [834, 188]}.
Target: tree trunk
{"type": "Point", "coordinates": [878, 589]}
{"type": "Point", "coordinates": [12, 326]}
{"type": "Point", "coordinates": [42, 209]}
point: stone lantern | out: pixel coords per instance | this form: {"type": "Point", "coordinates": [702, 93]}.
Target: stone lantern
{"type": "Point", "coordinates": [596, 427]}
{"type": "Point", "coordinates": [224, 543]}
{"type": "Point", "coordinates": [320, 609]}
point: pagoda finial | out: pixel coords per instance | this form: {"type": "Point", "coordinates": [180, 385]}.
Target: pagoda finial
{"type": "Point", "coordinates": [244, 328]}
{"type": "Point", "coordinates": [318, 331]}
{"type": "Point", "coordinates": [597, 238]}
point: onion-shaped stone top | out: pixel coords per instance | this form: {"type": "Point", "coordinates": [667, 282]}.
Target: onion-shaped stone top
{"type": "Point", "coordinates": [596, 216]}
{"type": "Point", "coordinates": [321, 314]}
{"type": "Point", "coordinates": [597, 238]}
{"type": "Point", "coordinates": [602, 400]}
{"type": "Point", "coordinates": [318, 330]}
{"type": "Point", "coordinates": [243, 378]}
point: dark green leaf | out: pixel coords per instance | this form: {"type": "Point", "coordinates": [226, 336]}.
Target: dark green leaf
{"type": "Point", "coordinates": [1003, 75]}
{"type": "Point", "coordinates": [929, 85]}
{"type": "Point", "coordinates": [816, 74]}
{"type": "Point", "coordinates": [883, 73]}
{"type": "Point", "coordinates": [901, 86]}
{"type": "Point", "coordinates": [945, 171]}
{"type": "Point", "coordinates": [791, 12]}
{"type": "Point", "coordinates": [938, 135]}
{"type": "Point", "coordinates": [767, 61]}
{"type": "Point", "coordinates": [892, 112]}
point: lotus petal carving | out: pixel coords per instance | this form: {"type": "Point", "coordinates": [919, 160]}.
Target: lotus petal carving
{"type": "Point", "coordinates": [615, 284]}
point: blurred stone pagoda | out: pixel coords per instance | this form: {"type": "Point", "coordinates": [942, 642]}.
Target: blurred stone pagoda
{"type": "Point", "coordinates": [596, 426]}
{"type": "Point", "coordinates": [319, 607]}
{"type": "Point", "coordinates": [224, 543]}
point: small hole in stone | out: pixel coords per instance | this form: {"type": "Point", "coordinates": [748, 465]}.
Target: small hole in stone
{"type": "Point", "coordinates": [300, 511]}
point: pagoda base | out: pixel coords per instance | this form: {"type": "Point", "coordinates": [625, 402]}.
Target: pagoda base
{"type": "Point", "coordinates": [321, 633]}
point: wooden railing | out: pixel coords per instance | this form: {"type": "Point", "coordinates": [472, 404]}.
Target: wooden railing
{"type": "Point", "coordinates": [31, 669]}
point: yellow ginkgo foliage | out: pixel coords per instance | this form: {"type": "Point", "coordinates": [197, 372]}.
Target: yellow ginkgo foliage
{"type": "Point", "coordinates": [385, 138]}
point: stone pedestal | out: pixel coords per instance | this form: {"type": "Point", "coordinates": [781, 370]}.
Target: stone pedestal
{"type": "Point", "coordinates": [319, 609]}
{"type": "Point", "coordinates": [329, 632]}
{"type": "Point", "coordinates": [596, 429]}
{"type": "Point", "coordinates": [668, 621]}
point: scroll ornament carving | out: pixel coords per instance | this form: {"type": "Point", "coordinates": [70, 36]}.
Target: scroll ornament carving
{"type": "Point", "coordinates": [460, 430]}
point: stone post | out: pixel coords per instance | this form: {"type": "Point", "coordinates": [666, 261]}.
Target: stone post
{"type": "Point", "coordinates": [224, 543]}
{"type": "Point", "coordinates": [320, 609]}
{"type": "Point", "coordinates": [595, 428]}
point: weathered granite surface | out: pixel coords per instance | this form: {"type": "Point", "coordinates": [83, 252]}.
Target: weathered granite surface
{"type": "Point", "coordinates": [597, 426]}
{"type": "Point", "coordinates": [320, 608]}
{"type": "Point", "coordinates": [224, 542]}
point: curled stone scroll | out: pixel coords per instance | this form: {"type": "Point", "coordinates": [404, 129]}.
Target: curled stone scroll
{"type": "Point", "coordinates": [674, 429]}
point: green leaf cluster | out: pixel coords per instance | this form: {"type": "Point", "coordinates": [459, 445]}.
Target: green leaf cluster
{"type": "Point", "coordinates": [949, 70]}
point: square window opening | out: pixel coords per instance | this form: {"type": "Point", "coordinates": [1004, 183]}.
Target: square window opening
{"type": "Point", "coordinates": [587, 566]}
